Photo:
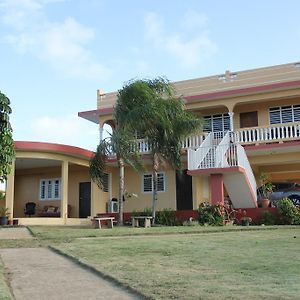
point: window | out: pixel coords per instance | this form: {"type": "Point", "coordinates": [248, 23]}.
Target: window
{"type": "Point", "coordinates": [50, 189]}
{"type": "Point", "coordinates": [215, 123]}
{"type": "Point", "coordinates": [148, 182]}
{"type": "Point", "coordinates": [284, 114]}
{"type": "Point", "coordinates": [106, 183]}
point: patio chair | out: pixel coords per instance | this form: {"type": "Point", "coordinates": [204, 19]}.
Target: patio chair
{"type": "Point", "coordinates": [29, 209]}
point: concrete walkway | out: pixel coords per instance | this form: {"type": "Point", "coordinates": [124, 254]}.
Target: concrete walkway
{"type": "Point", "coordinates": [14, 233]}
{"type": "Point", "coordinates": [40, 274]}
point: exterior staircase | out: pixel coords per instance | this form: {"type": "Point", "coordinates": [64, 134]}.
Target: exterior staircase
{"type": "Point", "coordinates": [220, 154]}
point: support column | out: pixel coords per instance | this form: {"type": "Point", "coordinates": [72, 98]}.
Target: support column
{"type": "Point", "coordinates": [64, 192]}
{"type": "Point", "coordinates": [231, 120]}
{"type": "Point", "coordinates": [10, 190]}
{"type": "Point", "coordinates": [217, 189]}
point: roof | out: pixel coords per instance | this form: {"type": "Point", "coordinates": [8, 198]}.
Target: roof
{"type": "Point", "coordinates": [53, 148]}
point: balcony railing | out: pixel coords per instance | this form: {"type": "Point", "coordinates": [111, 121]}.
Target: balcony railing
{"type": "Point", "coordinates": [254, 135]}
{"type": "Point", "coordinates": [271, 133]}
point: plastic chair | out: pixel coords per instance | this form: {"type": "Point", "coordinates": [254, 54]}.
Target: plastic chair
{"type": "Point", "coordinates": [29, 209]}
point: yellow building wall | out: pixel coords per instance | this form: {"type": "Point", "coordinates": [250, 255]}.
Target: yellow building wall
{"type": "Point", "coordinates": [27, 186]}
{"type": "Point", "coordinates": [133, 184]}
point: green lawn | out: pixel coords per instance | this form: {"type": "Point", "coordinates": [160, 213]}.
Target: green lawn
{"type": "Point", "coordinates": [260, 264]}
{"type": "Point", "coordinates": [67, 233]}
{"type": "Point", "coordinates": [184, 262]}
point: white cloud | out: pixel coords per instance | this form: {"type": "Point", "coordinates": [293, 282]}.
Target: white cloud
{"type": "Point", "coordinates": [189, 48]}
{"type": "Point", "coordinates": [69, 130]}
{"type": "Point", "coordinates": [63, 45]}
{"type": "Point", "coordinates": [194, 20]}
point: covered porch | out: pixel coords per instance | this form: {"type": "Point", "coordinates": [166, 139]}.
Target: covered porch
{"type": "Point", "coordinates": [54, 179]}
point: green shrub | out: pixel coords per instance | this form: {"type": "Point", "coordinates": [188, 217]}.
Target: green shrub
{"type": "Point", "coordinates": [268, 218]}
{"type": "Point", "coordinates": [289, 211]}
{"type": "Point", "coordinates": [166, 217]}
{"type": "Point", "coordinates": [210, 214]}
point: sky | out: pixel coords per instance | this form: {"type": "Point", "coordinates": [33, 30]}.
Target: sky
{"type": "Point", "coordinates": [55, 54]}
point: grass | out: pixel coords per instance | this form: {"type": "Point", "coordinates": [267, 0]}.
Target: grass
{"type": "Point", "coordinates": [222, 265]}
{"type": "Point", "coordinates": [68, 233]}
{"type": "Point", "coordinates": [184, 262]}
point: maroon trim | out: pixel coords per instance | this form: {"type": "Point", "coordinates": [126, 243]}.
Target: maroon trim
{"type": "Point", "coordinates": [253, 89]}
{"type": "Point", "coordinates": [51, 147]}
{"type": "Point", "coordinates": [215, 171]}
{"type": "Point", "coordinates": [100, 112]}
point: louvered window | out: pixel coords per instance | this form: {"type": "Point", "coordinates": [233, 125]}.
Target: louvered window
{"type": "Point", "coordinates": [284, 114]}
{"type": "Point", "coordinates": [216, 123]}
{"type": "Point", "coordinates": [50, 189]}
{"type": "Point", "coordinates": [148, 183]}
{"type": "Point", "coordinates": [106, 183]}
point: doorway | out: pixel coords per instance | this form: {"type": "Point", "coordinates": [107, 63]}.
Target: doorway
{"type": "Point", "coordinates": [184, 191]}
{"type": "Point", "coordinates": [84, 199]}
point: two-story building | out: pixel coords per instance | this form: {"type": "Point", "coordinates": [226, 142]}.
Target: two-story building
{"type": "Point", "coordinates": [252, 125]}
{"type": "Point", "coordinates": [260, 112]}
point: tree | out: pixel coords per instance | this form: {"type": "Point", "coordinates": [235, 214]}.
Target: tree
{"type": "Point", "coordinates": [7, 152]}
{"type": "Point", "coordinates": [150, 107]}
{"type": "Point", "coordinates": [121, 143]}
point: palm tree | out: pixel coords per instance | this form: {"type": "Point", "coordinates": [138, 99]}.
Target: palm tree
{"type": "Point", "coordinates": [150, 107]}
{"type": "Point", "coordinates": [121, 144]}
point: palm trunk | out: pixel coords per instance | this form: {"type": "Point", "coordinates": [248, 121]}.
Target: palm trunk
{"type": "Point", "coordinates": [154, 180]}
{"type": "Point", "coordinates": [121, 190]}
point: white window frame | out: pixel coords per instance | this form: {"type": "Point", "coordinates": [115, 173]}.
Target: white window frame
{"type": "Point", "coordinates": [280, 110]}
{"type": "Point", "coordinates": [52, 182]}
{"type": "Point", "coordinates": [151, 176]}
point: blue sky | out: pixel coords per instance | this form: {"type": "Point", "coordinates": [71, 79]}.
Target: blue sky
{"type": "Point", "coordinates": [55, 54]}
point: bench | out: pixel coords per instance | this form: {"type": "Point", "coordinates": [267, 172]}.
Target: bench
{"type": "Point", "coordinates": [147, 221]}
{"type": "Point", "coordinates": [110, 221]}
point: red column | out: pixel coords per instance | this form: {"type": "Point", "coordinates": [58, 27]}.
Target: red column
{"type": "Point", "coordinates": [217, 190]}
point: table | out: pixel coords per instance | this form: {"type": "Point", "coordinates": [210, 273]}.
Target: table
{"type": "Point", "coordinates": [110, 223]}
{"type": "Point", "coordinates": [135, 221]}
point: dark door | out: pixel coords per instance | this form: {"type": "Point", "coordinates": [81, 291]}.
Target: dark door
{"type": "Point", "coordinates": [184, 194]}
{"type": "Point", "coordinates": [84, 199]}
{"type": "Point", "coordinates": [248, 119]}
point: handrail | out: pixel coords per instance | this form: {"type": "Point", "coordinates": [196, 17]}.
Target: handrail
{"type": "Point", "coordinates": [195, 157]}
{"type": "Point", "coordinates": [244, 163]}
{"type": "Point", "coordinates": [268, 133]}
{"type": "Point", "coordinates": [221, 150]}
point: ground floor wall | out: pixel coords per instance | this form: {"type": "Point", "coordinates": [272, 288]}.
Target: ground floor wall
{"type": "Point", "coordinates": [141, 200]}
{"type": "Point", "coordinates": [27, 189]}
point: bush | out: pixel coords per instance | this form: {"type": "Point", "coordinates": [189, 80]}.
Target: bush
{"type": "Point", "coordinates": [289, 211]}
{"type": "Point", "coordinates": [268, 218]}
{"type": "Point", "coordinates": [167, 217]}
{"type": "Point", "coordinates": [210, 214]}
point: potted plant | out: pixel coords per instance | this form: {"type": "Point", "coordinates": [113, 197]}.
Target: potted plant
{"type": "Point", "coordinates": [3, 215]}
{"type": "Point", "coordinates": [266, 190]}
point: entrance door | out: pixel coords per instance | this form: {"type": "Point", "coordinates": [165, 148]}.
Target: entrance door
{"type": "Point", "coordinates": [248, 119]}
{"type": "Point", "coordinates": [184, 194]}
{"type": "Point", "coordinates": [84, 199]}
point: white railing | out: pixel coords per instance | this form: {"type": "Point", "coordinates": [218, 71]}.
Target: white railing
{"type": "Point", "coordinates": [271, 133]}
{"type": "Point", "coordinates": [221, 150]}
{"type": "Point", "coordinates": [255, 135]}
{"type": "Point", "coordinates": [244, 163]}
{"type": "Point", "coordinates": [196, 156]}
{"type": "Point", "coordinates": [194, 141]}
